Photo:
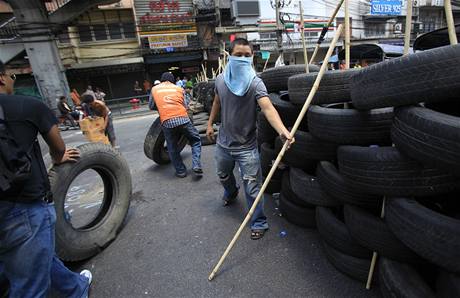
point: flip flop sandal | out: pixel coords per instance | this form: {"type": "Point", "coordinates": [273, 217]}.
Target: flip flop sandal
{"type": "Point", "coordinates": [257, 234]}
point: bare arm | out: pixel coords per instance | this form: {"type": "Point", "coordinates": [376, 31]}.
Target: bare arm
{"type": "Point", "coordinates": [274, 118]}
{"type": "Point", "coordinates": [58, 152]}
{"type": "Point", "coordinates": [214, 112]}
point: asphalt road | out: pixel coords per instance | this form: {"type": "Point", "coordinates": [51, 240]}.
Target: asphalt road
{"type": "Point", "coordinates": [177, 229]}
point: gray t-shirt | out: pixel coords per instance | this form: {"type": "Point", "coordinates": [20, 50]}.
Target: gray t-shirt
{"type": "Point", "coordinates": [238, 115]}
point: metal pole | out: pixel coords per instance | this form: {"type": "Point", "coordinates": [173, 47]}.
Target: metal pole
{"type": "Point", "coordinates": [325, 29]}
{"type": "Point", "coordinates": [281, 154]}
{"type": "Point", "coordinates": [408, 27]}
{"type": "Point", "coordinates": [302, 34]}
{"type": "Point", "coordinates": [279, 31]}
{"type": "Point", "coordinates": [347, 34]}
{"type": "Point", "coordinates": [450, 22]}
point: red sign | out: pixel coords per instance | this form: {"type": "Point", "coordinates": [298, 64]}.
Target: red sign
{"type": "Point", "coordinates": [166, 11]}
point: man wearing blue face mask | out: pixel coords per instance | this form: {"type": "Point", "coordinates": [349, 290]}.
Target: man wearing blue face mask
{"type": "Point", "coordinates": [238, 91]}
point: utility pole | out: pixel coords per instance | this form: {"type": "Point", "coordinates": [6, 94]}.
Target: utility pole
{"type": "Point", "coordinates": [279, 31]}
{"type": "Point", "coordinates": [41, 48]}
{"type": "Point", "coordinates": [219, 24]}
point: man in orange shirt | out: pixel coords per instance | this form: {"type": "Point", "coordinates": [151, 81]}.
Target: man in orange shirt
{"type": "Point", "coordinates": [175, 122]}
{"type": "Point", "coordinates": [75, 97]}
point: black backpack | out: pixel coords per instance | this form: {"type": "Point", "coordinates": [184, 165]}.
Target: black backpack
{"type": "Point", "coordinates": [15, 164]}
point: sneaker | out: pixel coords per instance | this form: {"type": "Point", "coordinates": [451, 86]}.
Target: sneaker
{"type": "Point", "coordinates": [86, 273]}
{"type": "Point", "coordinates": [198, 171]}
{"type": "Point", "coordinates": [181, 175]}
{"type": "Point", "coordinates": [231, 198]}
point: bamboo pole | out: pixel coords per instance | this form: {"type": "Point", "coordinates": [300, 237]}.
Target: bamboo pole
{"type": "Point", "coordinates": [325, 29]}
{"type": "Point", "coordinates": [374, 254]}
{"type": "Point", "coordinates": [302, 34]}
{"type": "Point", "coordinates": [347, 34]}
{"type": "Point", "coordinates": [281, 154]}
{"type": "Point", "coordinates": [450, 22]}
{"type": "Point", "coordinates": [266, 63]}
{"type": "Point", "coordinates": [408, 27]}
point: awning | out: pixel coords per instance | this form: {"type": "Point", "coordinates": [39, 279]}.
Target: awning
{"type": "Point", "coordinates": [175, 57]}
{"type": "Point", "coordinates": [434, 39]}
{"type": "Point", "coordinates": [111, 62]}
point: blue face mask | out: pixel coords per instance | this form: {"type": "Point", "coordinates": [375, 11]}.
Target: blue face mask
{"type": "Point", "coordinates": [238, 74]}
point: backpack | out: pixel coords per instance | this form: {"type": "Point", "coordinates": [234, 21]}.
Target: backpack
{"type": "Point", "coordinates": [15, 164]}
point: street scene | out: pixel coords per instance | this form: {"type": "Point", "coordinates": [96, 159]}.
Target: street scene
{"type": "Point", "coordinates": [229, 148]}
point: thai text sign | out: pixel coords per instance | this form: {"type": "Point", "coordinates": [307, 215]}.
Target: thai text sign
{"type": "Point", "coordinates": [386, 7]}
{"type": "Point", "coordinates": [168, 41]}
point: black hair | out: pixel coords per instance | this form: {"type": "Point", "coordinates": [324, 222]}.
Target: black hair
{"type": "Point", "coordinates": [87, 98]}
{"type": "Point", "coordinates": [167, 77]}
{"type": "Point", "coordinates": [62, 98]}
{"type": "Point", "coordinates": [239, 41]}
{"type": "Point", "coordinates": [2, 67]}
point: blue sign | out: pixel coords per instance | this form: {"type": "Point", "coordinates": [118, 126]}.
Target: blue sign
{"type": "Point", "coordinates": [386, 7]}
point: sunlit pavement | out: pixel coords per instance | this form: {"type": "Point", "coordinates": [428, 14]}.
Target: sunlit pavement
{"type": "Point", "coordinates": [177, 229]}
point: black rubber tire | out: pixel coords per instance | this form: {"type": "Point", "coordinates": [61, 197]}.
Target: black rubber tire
{"type": "Point", "coordinates": [373, 233]}
{"type": "Point", "coordinates": [385, 171]}
{"type": "Point", "coordinates": [447, 285]}
{"type": "Point", "coordinates": [79, 244]}
{"type": "Point", "coordinates": [355, 268]}
{"type": "Point", "coordinates": [265, 132]}
{"type": "Point", "coordinates": [334, 87]}
{"type": "Point", "coordinates": [288, 112]}
{"type": "Point", "coordinates": [350, 126]}
{"type": "Point", "coordinates": [430, 137]}
{"type": "Point", "coordinates": [398, 280]}
{"type": "Point", "coordinates": [431, 235]}
{"type": "Point", "coordinates": [286, 191]}
{"type": "Point", "coordinates": [426, 76]}
{"type": "Point", "coordinates": [298, 215]}
{"type": "Point", "coordinates": [154, 144]}
{"type": "Point", "coordinates": [274, 186]}
{"type": "Point", "coordinates": [335, 233]}
{"type": "Point", "coordinates": [307, 189]}
{"type": "Point", "coordinates": [267, 155]}
{"type": "Point", "coordinates": [333, 183]}
{"type": "Point", "coordinates": [276, 78]}
{"type": "Point", "coordinates": [306, 151]}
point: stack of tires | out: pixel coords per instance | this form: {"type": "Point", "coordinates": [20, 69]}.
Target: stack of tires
{"type": "Point", "coordinates": [382, 140]}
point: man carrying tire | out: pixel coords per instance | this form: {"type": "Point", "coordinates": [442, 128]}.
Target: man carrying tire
{"type": "Point", "coordinates": [27, 214]}
{"type": "Point", "coordinates": [175, 122]}
{"type": "Point", "coordinates": [238, 91]}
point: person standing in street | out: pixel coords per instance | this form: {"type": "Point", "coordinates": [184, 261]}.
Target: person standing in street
{"type": "Point", "coordinates": [99, 94]}
{"type": "Point", "coordinates": [175, 122]}
{"type": "Point", "coordinates": [179, 82]}
{"type": "Point", "coordinates": [238, 91]}
{"type": "Point", "coordinates": [100, 109]}
{"type": "Point", "coordinates": [27, 215]}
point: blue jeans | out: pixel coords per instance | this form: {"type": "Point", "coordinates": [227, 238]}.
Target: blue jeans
{"type": "Point", "coordinates": [172, 136]}
{"type": "Point", "coordinates": [27, 255]}
{"type": "Point", "coordinates": [249, 165]}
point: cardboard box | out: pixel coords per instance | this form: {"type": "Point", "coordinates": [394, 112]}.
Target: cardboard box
{"type": "Point", "coordinates": [93, 130]}
{"type": "Point", "coordinates": [92, 124]}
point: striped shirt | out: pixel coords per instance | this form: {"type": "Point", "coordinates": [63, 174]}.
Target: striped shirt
{"type": "Point", "coordinates": [175, 122]}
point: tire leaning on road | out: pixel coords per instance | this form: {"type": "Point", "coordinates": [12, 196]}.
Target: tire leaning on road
{"type": "Point", "coordinates": [154, 144]}
{"type": "Point", "coordinates": [79, 244]}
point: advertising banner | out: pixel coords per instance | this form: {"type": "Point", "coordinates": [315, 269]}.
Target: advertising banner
{"type": "Point", "coordinates": [386, 7]}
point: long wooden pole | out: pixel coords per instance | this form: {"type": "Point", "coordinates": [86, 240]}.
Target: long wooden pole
{"type": "Point", "coordinates": [374, 254]}
{"type": "Point", "coordinates": [325, 29]}
{"type": "Point", "coordinates": [347, 34]}
{"type": "Point", "coordinates": [302, 34]}
{"type": "Point", "coordinates": [450, 22]}
{"type": "Point", "coordinates": [408, 27]}
{"type": "Point", "coordinates": [281, 154]}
